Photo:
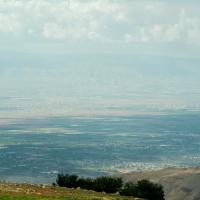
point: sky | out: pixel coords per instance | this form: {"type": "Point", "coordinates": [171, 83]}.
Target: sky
{"type": "Point", "coordinates": [99, 56]}
{"type": "Point", "coordinates": [99, 25]}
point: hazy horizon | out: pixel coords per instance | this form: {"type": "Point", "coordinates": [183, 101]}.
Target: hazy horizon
{"type": "Point", "coordinates": [85, 85]}
{"type": "Point", "coordinates": [98, 57]}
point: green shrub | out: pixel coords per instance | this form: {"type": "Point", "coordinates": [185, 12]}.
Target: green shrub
{"type": "Point", "coordinates": [129, 189]}
{"type": "Point", "coordinates": [61, 180]}
{"type": "Point", "coordinates": [86, 183]}
{"type": "Point", "coordinates": [107, 184]}
{"type": "Point", "coordinates": [69, 181]}
{"type": "Point", "coordinates": [148, 190]}
{"type": "Point", "coordinates": [99, 184]}
{"type": "Point", "coordinates": [144, 189]}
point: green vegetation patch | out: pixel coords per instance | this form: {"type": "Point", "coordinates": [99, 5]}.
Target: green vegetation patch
{"type": "Point", "coordinates": [112, 185]}
{"type": "Point", "coordinates": [13, 197]}
{"type": "Point", "coordinates": [8, 197]}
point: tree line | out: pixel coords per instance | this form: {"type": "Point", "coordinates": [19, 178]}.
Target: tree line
{"type": "Point", "coordinates": [142, 189]}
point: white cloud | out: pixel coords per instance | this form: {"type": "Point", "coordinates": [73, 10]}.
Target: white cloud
{"type": "Point", "coordinates": [9, 23]}
{"type": "Point", "coordinates": [103, 20]}
{"type": "Point", "coordinates": [52, 30]}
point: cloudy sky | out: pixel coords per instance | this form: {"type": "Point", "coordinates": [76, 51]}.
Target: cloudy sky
{"type": "Point", "coordinates": [108, 23]}
{"type": "Point", "coordinates": [138, 56]}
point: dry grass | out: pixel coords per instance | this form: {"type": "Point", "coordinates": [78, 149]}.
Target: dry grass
{"type": "Point", "coordinates": [42, 192]}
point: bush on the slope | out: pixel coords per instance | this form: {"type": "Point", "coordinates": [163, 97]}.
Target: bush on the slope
{"type": "Point", "coordinates": [86, 183]}
{"type": "Point", "coordinates": [69, 181]}
{"type": "Point", "coordinates": [144, 189]}
{"type": "Point", "coordinates": [100, 184]}
{"type": "Point", "coordinates": [107, 184]}
{"type": "Point", "coordinates": [129, 189]}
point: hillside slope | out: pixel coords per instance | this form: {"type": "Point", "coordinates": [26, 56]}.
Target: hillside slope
{"type": "Point", "coordinates": [179, 184]}
{"type": "Point", "coordinates": [42, 192]}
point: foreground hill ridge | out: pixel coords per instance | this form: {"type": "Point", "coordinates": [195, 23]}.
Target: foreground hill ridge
{"type": "Point", "coordinates": [13, 191]}
{"type": "Point", "coordinates": [178, 183]}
